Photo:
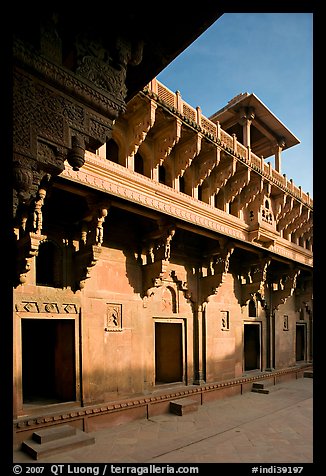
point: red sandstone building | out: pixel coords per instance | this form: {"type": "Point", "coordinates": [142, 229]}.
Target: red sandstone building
{"type": "Point", "coordinates": [159, 254]}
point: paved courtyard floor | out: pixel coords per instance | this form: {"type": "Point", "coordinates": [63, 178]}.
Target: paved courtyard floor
{"type": "Point", "coordinates": [250, 428]}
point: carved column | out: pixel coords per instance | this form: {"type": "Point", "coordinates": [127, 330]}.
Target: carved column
{"type": "Point", "coordinates": [278, 150]}
{"type": "Point", "coordinates": [247, 115]}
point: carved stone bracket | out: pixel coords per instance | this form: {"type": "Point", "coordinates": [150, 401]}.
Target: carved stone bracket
{"type": "Point", "coordinates": [236, 183]}
{"type": "Point", "coordinates": [165, 139]}
{"type": "Point", "coordinates": [219, 262]}
{"type": "Point", "coordinates": [284, 287]}
{"type": "Point", "coordinates": [92, 223]}
{"type": "Point", "coordinates": [182, 286]}
{"type": "Point", "coordinates": [139, 123]}
{"type": "Point", "coordinates": [85, 259]}
{"type": "Point", "coordinates": [254, 279]}
{"type": "Point", "coordinates": [222, 174]}
{"type": "Point", "coordinates": [205, 164]}
{"type": "Point", "coordinates": [27, 248]}
{"type": "Point", "coordinates": [158, 251]}
{"type": "Point", "coordinates": [185, 153]}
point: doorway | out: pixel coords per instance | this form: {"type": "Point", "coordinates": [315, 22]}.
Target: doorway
{"type": "Point", "coordinates": [169, 352]}
{"type": "Point", "coordinates": [252, 346]}
{"type": "Point", "coordinates": [300, 342]}
{"type": "Point", "coordinates": [48, 361]}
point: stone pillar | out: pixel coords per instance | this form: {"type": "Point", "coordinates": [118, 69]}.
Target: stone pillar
{"type": "Point", "coordinates": [247, 115]}
{"type": "Point", "coordinates": [278, 149]}
{"type": "Point", "coordinates": [198, 344]}
{"type": "Point", "coordinates": [270, 329]}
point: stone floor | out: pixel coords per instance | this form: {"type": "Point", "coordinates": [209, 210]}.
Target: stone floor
{"type": "Point", "coordinates": [249, 428]}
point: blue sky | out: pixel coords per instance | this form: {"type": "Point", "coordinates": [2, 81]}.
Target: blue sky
{"type": "Point", "coordinates": [268, 54]}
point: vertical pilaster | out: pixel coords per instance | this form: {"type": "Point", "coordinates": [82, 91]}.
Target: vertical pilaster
{"type": "Point", "coordinates": [199, 345]}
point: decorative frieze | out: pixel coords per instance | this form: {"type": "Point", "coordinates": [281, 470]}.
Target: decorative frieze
{"type": "Point", "coordinates": [121, 182]}
{"type": "Point", "coordinates": [37, 307]}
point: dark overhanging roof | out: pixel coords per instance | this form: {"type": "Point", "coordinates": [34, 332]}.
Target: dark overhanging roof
{"type": "Point", "coordinates": [166, 29]}
{"type": "Point", "coordinates": [264, 118]}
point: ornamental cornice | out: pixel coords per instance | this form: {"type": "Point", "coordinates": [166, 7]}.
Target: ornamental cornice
{"type": "Point", "coordinates": [116, 180]}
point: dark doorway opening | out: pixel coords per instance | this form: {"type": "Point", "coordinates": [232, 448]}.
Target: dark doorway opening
{"type": "Point", "coordinates": [168, 353]}
{"type": "Point", "coordinates": [252, 347]}
{"type": "Point", "coordinates": [48, 360]}
{"type": "Point", "coordinates": [300, 341]}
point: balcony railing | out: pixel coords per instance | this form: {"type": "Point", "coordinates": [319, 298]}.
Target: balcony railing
{"type": "Point", "coordinates": [217, 134]}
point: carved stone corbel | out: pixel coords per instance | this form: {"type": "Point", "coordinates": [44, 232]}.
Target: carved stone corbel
{"type": "Point", "coordinates": [205, 164]}
{"type": "Point", "coordinates": [27, 248]}
{"type": "Point", "coordinates": [91, 240]}
{"type": "Point", "coordinates": [219, 263]}
{"type": "Point", "coordinates": [284, 287]}
{"type": "Point", "coordinates": [185, 153]}
{"type": "Point", "coordinates": [254, 277]}
{"type": "Point", "coordinates": [165, 138]}
{"type": "Point", "coordinates": [158, 249]}
{"type": "Point", "coordinates": [182, 286]}
{"type": "Point", "coordinates": [85, 260]}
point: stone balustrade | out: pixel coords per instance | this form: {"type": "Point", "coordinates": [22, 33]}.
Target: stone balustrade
{"type": "Point", "coordinates": [175, 101]}
{"type": "Point", "coordinates": [210, 178]}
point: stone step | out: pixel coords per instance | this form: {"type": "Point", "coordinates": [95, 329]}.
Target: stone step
{"type": "Point", "coordinates": [53, 433]}
{"type": "Point", "coordinates": [183, 406]}
{"type": "Point", "coordinates": [59, 445]}
{"type": "Point", "coordinates": [308, 373]}
{"type": "Point", "coordinates": [259, 388]}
